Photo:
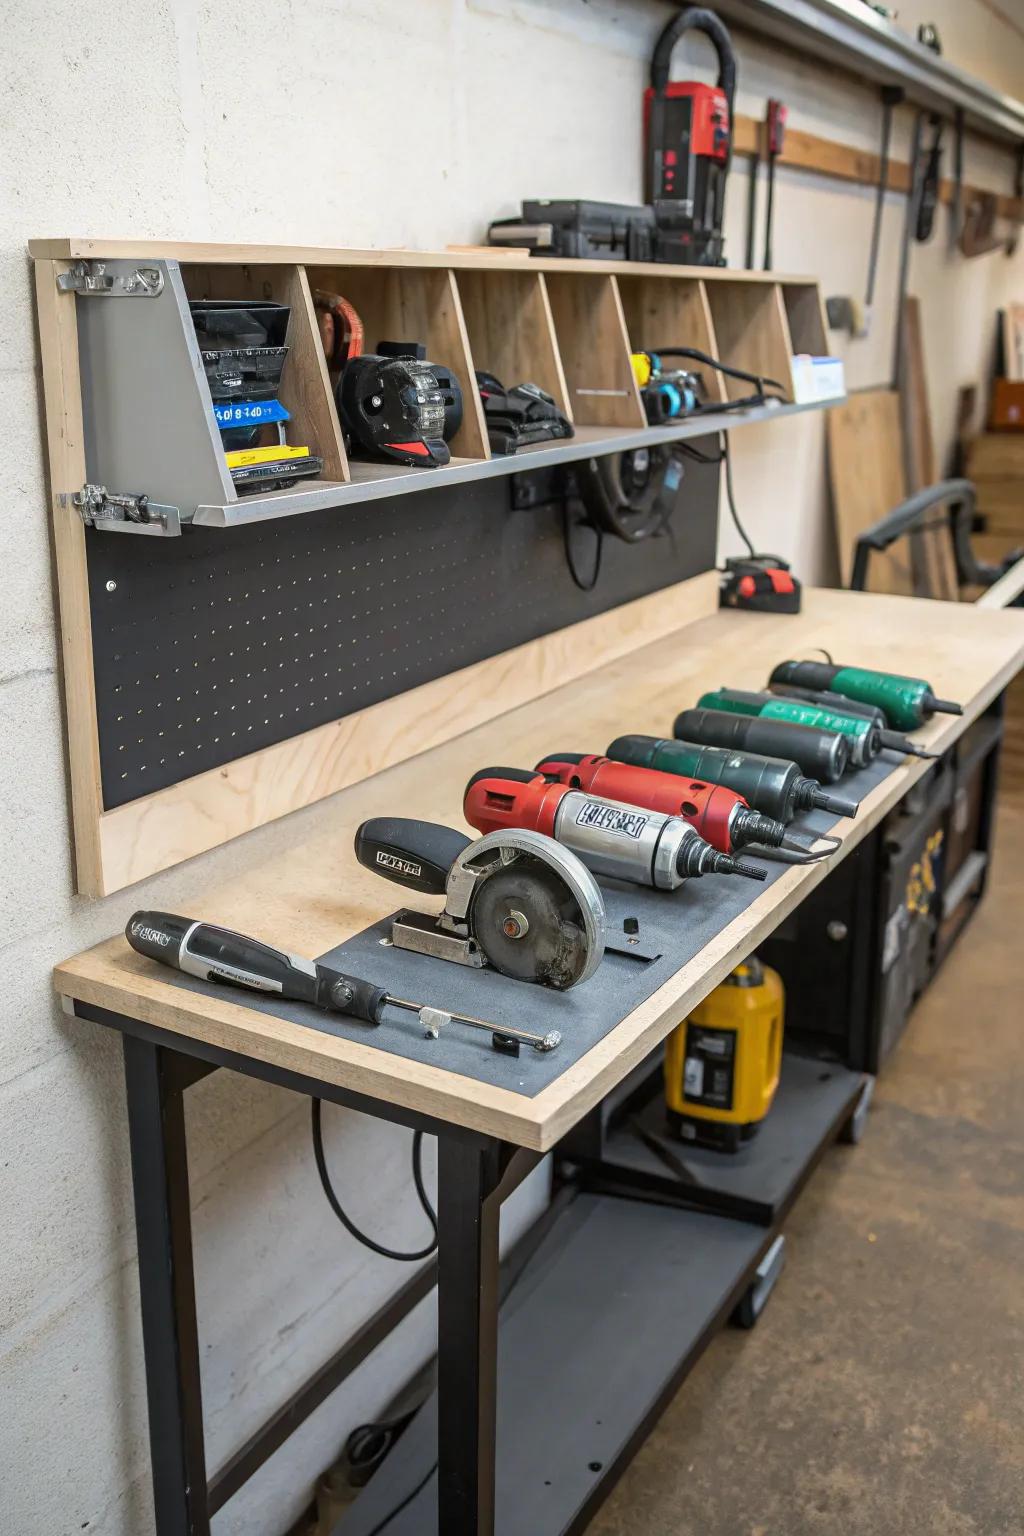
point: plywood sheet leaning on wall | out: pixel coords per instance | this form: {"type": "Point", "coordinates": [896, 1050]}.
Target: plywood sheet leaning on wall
{"type": "Point", "coordinates": [932, 550]}
{"type": "Point", "coordinates": [865, 452]}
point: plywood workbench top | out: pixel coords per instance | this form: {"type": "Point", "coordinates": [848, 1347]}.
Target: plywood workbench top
{"type": "Point", "coordinates": [316, 895]}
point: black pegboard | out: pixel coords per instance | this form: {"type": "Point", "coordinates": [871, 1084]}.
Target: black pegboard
{"type": "Point", "coordinates": [226, 641]}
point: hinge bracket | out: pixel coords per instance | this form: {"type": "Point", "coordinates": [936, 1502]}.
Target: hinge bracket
{"type": "Point", "coordinates": [113, 513]}
{"type": "Point", "coordinates": [92, 277]}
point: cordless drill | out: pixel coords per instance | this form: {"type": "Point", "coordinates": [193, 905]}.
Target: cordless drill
{"type": "Point", "coordinates": [864, 737]}
{"type": "Point", "coordinates": [908, 702]}
{"type": "Point", "coordinates": [770, 784]}
{"type": "Point", "coordinates": [619, 841]}
{"type": "Point", "coordinates": [718, 814]}
{"type": "Point", "coordinates": [822, 754]}
{"type": "Point", "coordinates": [894, 741]}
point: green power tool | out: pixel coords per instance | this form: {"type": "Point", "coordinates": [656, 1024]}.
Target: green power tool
{"type": "Point", "coordinates": [908, 702]}
{"type": "Point", "coordinates": [863, 735]}
{"type": "Point", "coordinates": [821, 697]}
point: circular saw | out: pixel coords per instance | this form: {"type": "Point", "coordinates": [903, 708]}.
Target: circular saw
{"type": "Point", "coordinates": [514, 900]}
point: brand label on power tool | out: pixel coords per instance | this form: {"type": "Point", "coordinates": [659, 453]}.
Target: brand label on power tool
{"type": "Point", "coordinates": [609, 818]}
{"type": "Point", "coordinates": [401, 866]}
{"type": "Point", "coordinates": [710, 1066]}
{"type": "Point", "coordinates": [152, 935]}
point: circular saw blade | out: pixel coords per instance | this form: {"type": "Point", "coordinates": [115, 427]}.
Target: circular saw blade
{"type": "Point", "coordinates": [535, 923]}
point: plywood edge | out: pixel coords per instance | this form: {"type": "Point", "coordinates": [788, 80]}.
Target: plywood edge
{"type": "Point", "coordinates": [113, 977]}
{"type": "Point", "coordinates": [166, 828]}
{"type": "Point", "coordinates": [1006, 590]}
{"type": "Point", "coordinates": [65, 436]}
{"type": "Point", "coordinates": [76, 247]}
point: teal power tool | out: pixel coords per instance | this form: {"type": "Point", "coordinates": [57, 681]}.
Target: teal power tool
{"type": "Point", "coordinates": [768, 784]}
{"type": "Point", "coordinates": [907, 702]}
{"type": "Point", "coordinates": [825, 755]}
{"type": "Point", "coordinates": [864, 736]}
{"type": "Point", "coordinates": [894, 741]}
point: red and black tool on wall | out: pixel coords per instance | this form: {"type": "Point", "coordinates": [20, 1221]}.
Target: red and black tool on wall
{"type": "Point", "coordinates": [688, 145]}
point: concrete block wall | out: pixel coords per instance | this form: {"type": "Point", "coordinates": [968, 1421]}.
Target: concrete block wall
{"type": "Point", "coordinates": [289, 122]}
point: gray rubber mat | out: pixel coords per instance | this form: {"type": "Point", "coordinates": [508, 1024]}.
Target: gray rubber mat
{"type": "Point", "coordinates": [675, 924]}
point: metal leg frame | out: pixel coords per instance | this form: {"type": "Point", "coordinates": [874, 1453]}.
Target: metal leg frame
{"type": "Point", "coordinates": [155, 1082]}
{"type": "Point", "coordinates": [474, 1175]}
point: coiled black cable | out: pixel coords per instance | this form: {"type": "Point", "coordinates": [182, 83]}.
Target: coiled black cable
{"type": "Point", "coordinates": [346, 1220]}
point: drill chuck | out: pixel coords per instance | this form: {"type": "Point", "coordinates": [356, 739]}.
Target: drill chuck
{"type": "Point", "coordinates": [751, 827]}
{"type": "Point", "coordinates": [696, 857]}
{"type": "Point", "coordinates": [811, 797]}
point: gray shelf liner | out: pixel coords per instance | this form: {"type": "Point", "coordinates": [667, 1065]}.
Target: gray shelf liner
{"type": "Point", "coordinates": [678, 923]}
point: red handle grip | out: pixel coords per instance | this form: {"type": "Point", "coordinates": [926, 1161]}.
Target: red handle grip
{"type": "Point", "coordinates": [498, 798]}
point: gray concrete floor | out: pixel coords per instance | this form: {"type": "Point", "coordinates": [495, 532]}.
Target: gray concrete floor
{"type": "Point", "coordinates": [882, 1392]}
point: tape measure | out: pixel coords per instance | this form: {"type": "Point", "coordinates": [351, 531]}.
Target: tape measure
{"type": "Point", "coordinates": [722, 1062]}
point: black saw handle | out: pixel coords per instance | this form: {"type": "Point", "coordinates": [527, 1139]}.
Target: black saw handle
{"type": "Point", "coordinates": [219, 954]}
{"type": "Point", "coordinates": [417, 854]}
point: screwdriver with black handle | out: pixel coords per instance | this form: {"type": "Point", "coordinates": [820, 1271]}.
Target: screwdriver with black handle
{"type": "Point", "coordinates": [221, 955]}
{"type": "Point", "coordinates": [770, 785]}
{"type": "Point", "coordinates": [894, 741]}
{"type": "Point", "coordinates": [907, 702]}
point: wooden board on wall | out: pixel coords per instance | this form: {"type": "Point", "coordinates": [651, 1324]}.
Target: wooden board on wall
{"type": "Point", "coordinates": [865, 452]}
{"type": "Point", "coordinates": [931, 549]}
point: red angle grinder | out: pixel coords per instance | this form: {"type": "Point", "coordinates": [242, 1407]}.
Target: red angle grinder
{"type": "Point", "coordinates": [619, 841]}
{"type": "Point", "coordinates": [720, 815]}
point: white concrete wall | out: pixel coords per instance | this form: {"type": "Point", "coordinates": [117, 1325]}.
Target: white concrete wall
{"type": "Point", "coordinates": [202, 119]}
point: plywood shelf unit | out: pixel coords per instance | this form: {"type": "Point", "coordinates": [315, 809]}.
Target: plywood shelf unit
{"type": "Point", "coordinates": [128, 408]}
{"type": "Point", "coordinates": [567, 326]}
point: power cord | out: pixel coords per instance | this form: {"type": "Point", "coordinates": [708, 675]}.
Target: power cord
{"type": "Point", "coordinates": [730, 496]}
{"type": "Point", "coordinates": [588, 584]}
{"type": "Point", "coordinates": [346, 1220]}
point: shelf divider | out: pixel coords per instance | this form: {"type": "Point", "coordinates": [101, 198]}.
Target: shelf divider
{"type": "Point", "coordinates": [594, 344]}
{"type": "Point", "coordinates": [511, 330]}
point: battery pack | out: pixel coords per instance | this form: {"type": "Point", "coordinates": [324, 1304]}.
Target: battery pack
{"type": "Point", "coordinates": [722, 1062]}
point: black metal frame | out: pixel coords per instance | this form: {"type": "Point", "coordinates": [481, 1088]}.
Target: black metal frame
{"type": "Point", "coordinates": [475, 1174]}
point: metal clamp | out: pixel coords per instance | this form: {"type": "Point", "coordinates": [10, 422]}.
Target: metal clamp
{"type": "Point", "coordinates": [113, 513]}
{"type": "Point", "coordinates": [92, 277]}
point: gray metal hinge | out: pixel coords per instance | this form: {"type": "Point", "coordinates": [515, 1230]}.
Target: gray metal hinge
{"type": "Point", "coordinates": [92, 277]}
{"type": "Point", "coordinates": [106, 510]}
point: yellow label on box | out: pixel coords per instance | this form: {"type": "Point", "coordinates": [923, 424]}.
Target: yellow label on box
{"type": "Point", "coordinates": [240, 458]}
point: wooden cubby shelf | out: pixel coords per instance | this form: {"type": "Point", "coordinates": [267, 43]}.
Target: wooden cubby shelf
{"type": "Point", "coordinates": [568, 326]}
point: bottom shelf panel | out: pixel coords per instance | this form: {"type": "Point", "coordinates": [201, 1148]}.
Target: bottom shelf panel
{"type": "Point", "coordinates": [760, 1181]}
{"type": "Point", "coordinates": [614, 1307]}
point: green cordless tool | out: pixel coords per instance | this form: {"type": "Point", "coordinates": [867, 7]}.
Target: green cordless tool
{"type": "Point", "coordinates": [908, 702]}
{"type": "Point", "coordinates": [864, 737]}
{"type": "Point", "coordinates": [770, 785]}
{"type": "Point", "coordinates": [895, 741]}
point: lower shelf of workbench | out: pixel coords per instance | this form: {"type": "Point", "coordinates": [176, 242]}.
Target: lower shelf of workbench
{"type": "Point", "coordinates": [758, 1183]}
{"type": "Point", "coordinates": [612, 1310]}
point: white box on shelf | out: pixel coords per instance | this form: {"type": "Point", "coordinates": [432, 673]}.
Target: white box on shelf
{"type": "Point", "coordinates": [817, 378]}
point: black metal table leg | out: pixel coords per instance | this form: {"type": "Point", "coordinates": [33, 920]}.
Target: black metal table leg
{"type": "Point", "coordinates": [468, 1173]}
{"type": "Point", "coordinates": [155, 1079]}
